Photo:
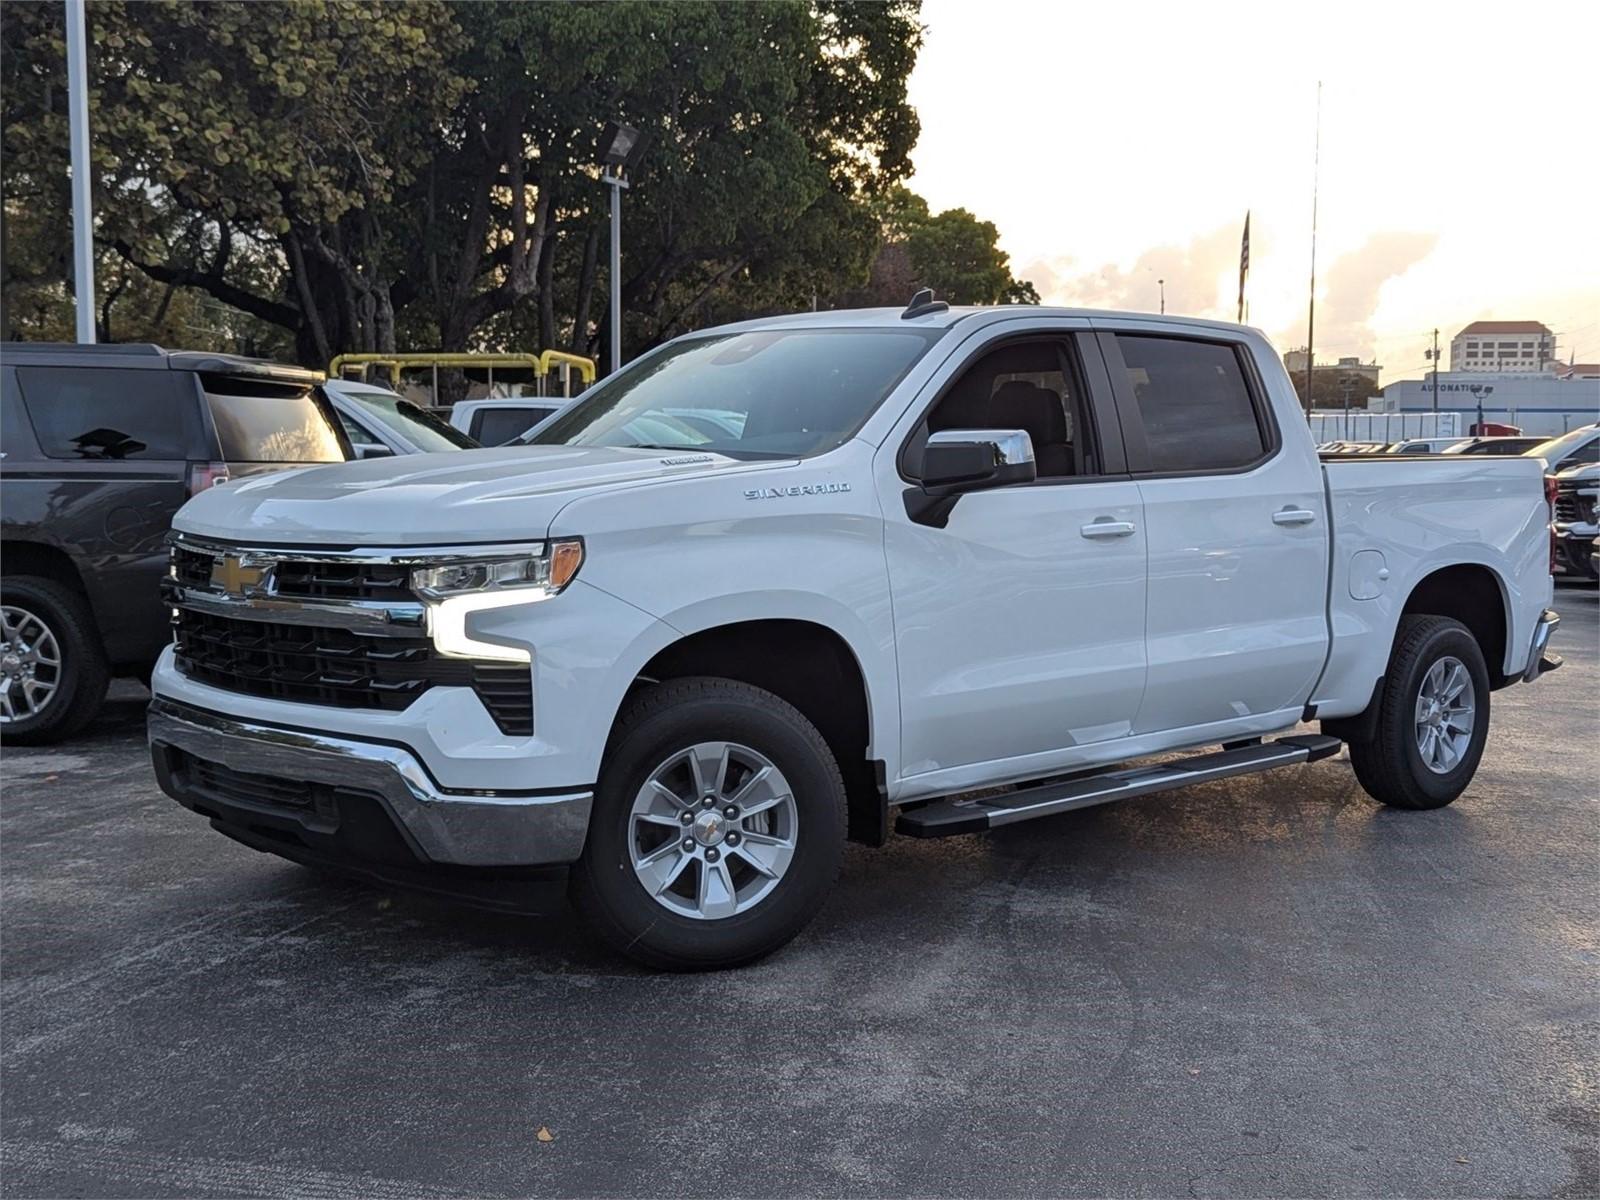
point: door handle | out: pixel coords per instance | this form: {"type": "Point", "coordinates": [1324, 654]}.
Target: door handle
{"type": "Point", "coordinates": [1105, 527]}
{"type": "Point", "coordinates": [1293, 516]}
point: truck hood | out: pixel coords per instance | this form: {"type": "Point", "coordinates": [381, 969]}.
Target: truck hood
{"type": "Point", "coordinates": [505, 494]}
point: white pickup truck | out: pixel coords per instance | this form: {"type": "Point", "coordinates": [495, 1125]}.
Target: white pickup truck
{"type": "Point", "coordinates": [936, 570]}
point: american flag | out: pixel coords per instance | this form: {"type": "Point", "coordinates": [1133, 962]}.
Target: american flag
{"type": "Point", "coordinates": [1244, 262]}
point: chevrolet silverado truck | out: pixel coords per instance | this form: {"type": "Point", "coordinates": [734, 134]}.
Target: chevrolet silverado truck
{"type": "Point", "coordinates": [930, 571]}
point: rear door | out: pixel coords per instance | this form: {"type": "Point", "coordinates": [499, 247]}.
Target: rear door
{"type": "Point", "coordinates": [1236, 525]}
{"type": "Point", "coordinates": [115, 446]}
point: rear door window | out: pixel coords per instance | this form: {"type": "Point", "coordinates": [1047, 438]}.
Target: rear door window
{"type": "Point", "coordinates": [260, 423]}
{"type": "Point", "coordinates": [112, 413]}
{"type": "Point", "coordinates": [1194, 402]}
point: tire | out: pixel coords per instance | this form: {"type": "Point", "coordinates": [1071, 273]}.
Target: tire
{"type": "Point", "coordinates": [1391, 767]}
{"type": "Point", "coordinates": [715, 908]}
{"type": "Point", "coordinates": [81, 676]}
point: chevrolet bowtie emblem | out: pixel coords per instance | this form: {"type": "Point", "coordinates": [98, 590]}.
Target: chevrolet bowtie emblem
{"type": "Point", "coordinates": [234, 577]}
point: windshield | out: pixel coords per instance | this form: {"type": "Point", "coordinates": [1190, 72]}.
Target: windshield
{"type": "Point", "coordinates": [273, 428]}
{"type": "Point", "coordinates": [419, 427]}
{"type": "Point", "coordinates": [1558, 448]}
{"type": "Point", "coordinates": [770, 393]}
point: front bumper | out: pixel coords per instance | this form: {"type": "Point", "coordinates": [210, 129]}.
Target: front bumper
{"type": "Point", "coordinates": [1572, 549]}
{"type": "Point", "coordinates": [335, 796]}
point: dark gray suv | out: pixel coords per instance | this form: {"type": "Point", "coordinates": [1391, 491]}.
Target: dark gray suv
{"type": "Point", "coordinates": [99, 445]}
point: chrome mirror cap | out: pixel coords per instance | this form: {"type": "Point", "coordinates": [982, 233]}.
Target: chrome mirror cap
{"type": "Point", "coordinates": [1012, 447]}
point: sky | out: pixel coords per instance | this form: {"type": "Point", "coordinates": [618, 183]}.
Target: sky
{"type": "Point", "coordinates": [1115, 144]}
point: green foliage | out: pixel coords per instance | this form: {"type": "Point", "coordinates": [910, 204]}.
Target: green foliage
{"type": "Point", "coordinates": [953, 252]}
{"type": "Point", "coordinates": [360, 175]}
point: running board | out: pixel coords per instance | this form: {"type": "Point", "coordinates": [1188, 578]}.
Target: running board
{"type": "Point", "coordinates": [942, 818]}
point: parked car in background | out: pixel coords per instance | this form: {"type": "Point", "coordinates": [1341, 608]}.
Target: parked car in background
{"type": "Point", "coordinates": [381, 423]}
{"type": "Point", "coordinates": [1436, 445]}
{"type": "Point", "coordinates": [1574, 524]}
{"type": "Point", "coordinates": [1575, 448]}
{"type": "Point", "coordinates": [101, 445]}
{"type": "Point", "coordinates": [497, 422]}
{"type": "Point", "coordinates": [963, 564]}
{"type": "Point", "coordinates": [1495, 445]}
{"type": "Point", "coordinates": [1353, 448]}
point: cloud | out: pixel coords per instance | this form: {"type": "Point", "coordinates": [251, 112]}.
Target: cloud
{"type": "Point", "coordinates": [1350, 295]}
{"type": "Point", "coordinates": [1195, 274]}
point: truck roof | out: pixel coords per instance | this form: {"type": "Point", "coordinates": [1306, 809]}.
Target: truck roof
{"type": "Point", "coordinates": [894, 318]}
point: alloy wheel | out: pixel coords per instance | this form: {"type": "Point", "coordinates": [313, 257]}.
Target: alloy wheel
{"type": "Point", "coordinates": [1446, 709]}
{"type": "Point", "coordinates": [30, 664]}
{"type": "Point", "coordinates": [712, 831]}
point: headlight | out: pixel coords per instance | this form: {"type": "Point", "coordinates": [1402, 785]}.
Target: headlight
{"type": "Point", "coordinates": [526, 576]}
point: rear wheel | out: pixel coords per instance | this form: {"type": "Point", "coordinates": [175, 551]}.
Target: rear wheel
{"type": "Point", "coordinates": [53, 671]}
{"type": "Point", "coordinates": [1433, 717]}
{"type": "Point", "coordinates": [718, 827]}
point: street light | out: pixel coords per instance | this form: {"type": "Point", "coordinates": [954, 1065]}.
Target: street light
{"type": "Point", "coordinates": [621, 147]}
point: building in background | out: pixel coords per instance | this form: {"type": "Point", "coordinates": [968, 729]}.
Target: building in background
{"type": "Point", "coordinates": [1546, 402]}
{"type": "Point", "coordinates": [1345, 383]}
{"type": "Point", "coordinates": [1503, 346]}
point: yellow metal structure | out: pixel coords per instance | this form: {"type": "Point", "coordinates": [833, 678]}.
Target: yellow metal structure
{"type": "Point", "coordinates": [540, 365]}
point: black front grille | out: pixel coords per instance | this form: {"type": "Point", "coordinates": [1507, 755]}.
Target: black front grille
{"type": "Point", "coordinates": [342, 580]}
{"type": "Point", "coordinates": [341, 668]}
{"type": "Point", "coordinates": [1572, 507]}
{"type": "Point", "coordinates": [193, 569]}
{"type": "Point", "coordinates": [302, 579]}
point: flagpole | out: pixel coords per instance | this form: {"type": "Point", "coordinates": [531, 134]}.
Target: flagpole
{"type": "Point", "coordinates": [1311, 308]}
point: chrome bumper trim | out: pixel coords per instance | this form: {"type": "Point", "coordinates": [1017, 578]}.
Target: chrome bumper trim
{"type": "Point", "coordinates": [1542, 630]}
{"type": "Point", "coordinates": [460, 827]}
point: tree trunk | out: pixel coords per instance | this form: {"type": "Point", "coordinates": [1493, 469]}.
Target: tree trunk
{"type": "Point", "coordinates": [578, 343]}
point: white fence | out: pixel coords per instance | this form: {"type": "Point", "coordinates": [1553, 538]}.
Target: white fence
{"type": "Point", "coordinates": [1383, 426]}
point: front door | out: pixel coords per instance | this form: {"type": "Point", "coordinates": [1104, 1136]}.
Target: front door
{"type": "Point", "coordinates": [1019, 624]}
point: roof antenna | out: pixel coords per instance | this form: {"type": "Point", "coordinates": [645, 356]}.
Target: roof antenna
{"type": "Point", "coordinates": [922, 304]}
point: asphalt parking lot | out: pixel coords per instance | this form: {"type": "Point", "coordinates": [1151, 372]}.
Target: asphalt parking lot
{"type": "Point", "coordinates": [1261, 987]}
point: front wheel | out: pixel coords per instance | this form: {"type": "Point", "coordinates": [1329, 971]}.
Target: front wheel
{"type": "Point", "coordinates": [53, 672]}
{"type": "Point", "coordinates": [1433, 717]}
{"type": "Point", "coordinates": [718, 827]}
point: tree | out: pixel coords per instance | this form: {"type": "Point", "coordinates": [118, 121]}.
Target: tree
{"type": "Point", "coordinates": [245, 150]}
{"type": "Point", "coordinates": [953, 252]}
{"type": "Point", "coordinates": [1333, 388]}
{"type": "Point", "coordinates": [358, 175]}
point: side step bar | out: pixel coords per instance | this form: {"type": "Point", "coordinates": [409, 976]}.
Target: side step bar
{"type": "Point", "coordinates": [942, 818]}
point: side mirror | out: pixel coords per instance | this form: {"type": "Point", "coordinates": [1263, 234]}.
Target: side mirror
{"type": "Point", "coordinates": [957, 461]}
{"type": "Point", "coordinates": [372, 450]}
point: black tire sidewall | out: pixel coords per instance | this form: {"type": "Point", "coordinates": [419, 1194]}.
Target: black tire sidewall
{"type": "Point", "coordinates": [1453, 640]}
{"type": "Point", "coordinates": [604, 881]}
{"type": "Point", "coordinates": [84, 675]}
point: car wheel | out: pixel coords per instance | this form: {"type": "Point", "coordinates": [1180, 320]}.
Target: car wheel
{"type": "Point", "coordinates": [1433, 717]}
{"type": "Point", "coordinates": [53, 670]}
{"type": "Point", "coordinates": [718, 827]}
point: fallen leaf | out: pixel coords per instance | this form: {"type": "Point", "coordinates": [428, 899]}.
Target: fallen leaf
{"type": "Point", "coordinates": [544, 1134]}
{"type": "Point", "coordinates": [1463, 1160]}
{"type": "Point", "coordinates": [1194, 1070]}
{"type": "Point", "coordinates": [51, 778]}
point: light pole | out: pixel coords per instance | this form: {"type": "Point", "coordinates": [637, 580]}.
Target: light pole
{"type": "Point", "coordinates": [1162, 284]}
{"type": "Point", "coordinates": [620, 149]}
{"type": "Point", "coordinates": [78, 126]}
{"type": "Point", "coordinates": [1479, 391]}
